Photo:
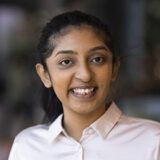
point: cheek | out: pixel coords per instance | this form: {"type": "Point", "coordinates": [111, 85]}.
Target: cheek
{"type": "Point", "coordinates": [59, 87]}
{"type": "Point", "coordinates": [61, 81]}
{"type": "Point", "coordinates": [105, 79]}
{"type": "Point", "coordinates": [104, 75]}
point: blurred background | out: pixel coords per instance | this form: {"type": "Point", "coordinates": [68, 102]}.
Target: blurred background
{"type": "Point", "coordinates": [135, 25]}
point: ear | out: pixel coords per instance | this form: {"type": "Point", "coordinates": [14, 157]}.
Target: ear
{"type": "Point", "coordinates": [44, 76]}
{"type": "Point", "coordinates": [115, 70]}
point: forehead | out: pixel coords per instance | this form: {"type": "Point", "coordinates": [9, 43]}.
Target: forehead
{"type": "Point", "coordinates": [78, 37]}
{"type": "Point", "coordinates": [82, 31]}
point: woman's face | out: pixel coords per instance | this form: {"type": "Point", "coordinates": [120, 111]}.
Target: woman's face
{"type": "Point", "coordinates": [80, 71]}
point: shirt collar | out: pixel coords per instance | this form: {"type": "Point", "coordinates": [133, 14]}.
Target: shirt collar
{"type": "Point", "coordinates": [55, 128]}
{"type": "Point", "coordinates": [102, 126]}
{"type": "Point", "coordinates": [107, 121]}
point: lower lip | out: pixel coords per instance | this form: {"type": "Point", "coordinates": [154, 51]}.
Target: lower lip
{"type": "Point", "coordinates": [84, 97]}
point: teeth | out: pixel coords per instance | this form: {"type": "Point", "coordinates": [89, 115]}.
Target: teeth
{"type": "Point", "coordinates": [83, 91]}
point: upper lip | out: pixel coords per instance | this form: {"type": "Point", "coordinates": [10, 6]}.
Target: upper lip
{"type": "Point", "coordinates": [83, 87]}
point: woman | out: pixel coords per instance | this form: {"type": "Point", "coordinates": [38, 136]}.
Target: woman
{"type": "Point", "coordinates": [78, 66]}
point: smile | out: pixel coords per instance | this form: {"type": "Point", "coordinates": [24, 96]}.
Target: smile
{"type": "Point", "coordinates": [83, 92]}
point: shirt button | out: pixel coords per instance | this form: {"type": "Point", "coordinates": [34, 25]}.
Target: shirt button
{"type": "Point", "coordinates": [90, 131]}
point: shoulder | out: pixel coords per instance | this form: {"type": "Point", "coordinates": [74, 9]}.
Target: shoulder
{"type": "Point", "coordinates": [29, 141]}
{"type": "Point", "coordinates": [142, 125]}
{"type": "Point", "coordinates": [33, 133]}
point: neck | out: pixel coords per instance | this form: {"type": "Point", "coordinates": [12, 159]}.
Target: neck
{"type": "Point", "coordinates": [74, 123]}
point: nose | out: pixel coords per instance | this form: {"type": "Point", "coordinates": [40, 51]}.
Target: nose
{"type": "Point", "coordinates": [84, 73]}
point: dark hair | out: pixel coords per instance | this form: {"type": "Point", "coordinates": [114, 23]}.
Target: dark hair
{"type": "Point", "coordinates": [51, 31]}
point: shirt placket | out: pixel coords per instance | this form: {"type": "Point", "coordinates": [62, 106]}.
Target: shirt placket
{"type": "Point", "coordinates": [80, 153]}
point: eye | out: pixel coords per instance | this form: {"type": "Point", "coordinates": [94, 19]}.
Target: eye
{"type": "Point", "coordinates": [65, 63]}
{"type": "Point", "coordinates": [97, 60]}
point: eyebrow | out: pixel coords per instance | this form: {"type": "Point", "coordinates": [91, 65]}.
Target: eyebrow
{"type": "Point", "coordinates": [99, 48]}
{"type": "Point", "coordinates": [90, 50]}
{"type": "Point", "coordinates": [65, 52]}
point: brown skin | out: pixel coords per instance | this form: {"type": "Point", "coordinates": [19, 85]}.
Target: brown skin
{"type": "Point", "coordinates": [80, 59]}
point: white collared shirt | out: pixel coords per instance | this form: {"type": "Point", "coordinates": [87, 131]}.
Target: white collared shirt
{"type": "Point", "coordinates": [114, 136]}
